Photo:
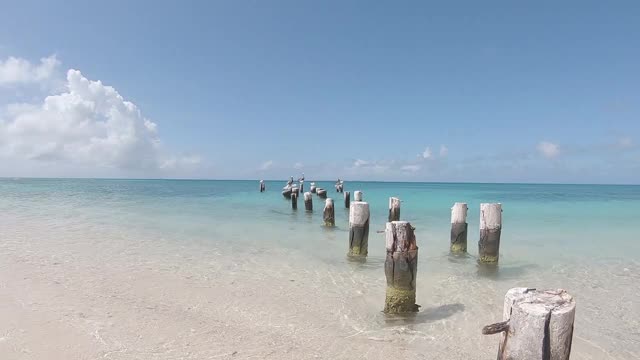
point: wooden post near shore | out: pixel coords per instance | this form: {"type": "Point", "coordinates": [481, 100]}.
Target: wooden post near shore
{"type": "Point", "coordinates": [312, 188]}
{"type": "Point", "coordinates": [322, 193]}
{"type": "Point", "coordinates": [538, 324]}
{"type": "Point", "coordinates": [394, 209]}
{"type": "Point", "coordinates": [263, 187]}
{"type": "Point", "coordinates": [287, 192]}
{"type": "Point", "coordinates": [347, 199]}
{"type": "Point", "coordinates": [302, 186]}
{"type": "Point", "coordinates": [308, 201]}
{"type": "Point", "coordinates": [490, 229]}
{"type": "Point", "coordinates": [400, 268]}
{"type": "Point", "coordinates": [459, 228]}
{"type": "Point", "coordinates": [358, 229]}
{"type": "Point", "coordinates": [294, 200]}
{"type": "Point", "coordinates": [357, 195]}
{"type": "Point", "coordinates": [328, 214]}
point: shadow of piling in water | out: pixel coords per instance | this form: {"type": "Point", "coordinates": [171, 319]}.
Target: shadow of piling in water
{"type": "Point", "coordinates": [425, 316]}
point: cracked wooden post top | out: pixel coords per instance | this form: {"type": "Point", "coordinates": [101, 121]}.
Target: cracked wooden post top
{"type": "Point", "coordinates": [537, 324]}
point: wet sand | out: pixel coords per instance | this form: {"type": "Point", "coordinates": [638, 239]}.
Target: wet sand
{"type": "Point", "coordinates": [83, 291]}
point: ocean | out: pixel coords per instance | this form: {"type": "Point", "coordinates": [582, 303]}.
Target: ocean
{"type": "Point", "coordinates": [173, 269]}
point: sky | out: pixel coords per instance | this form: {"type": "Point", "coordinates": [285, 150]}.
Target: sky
{"type": "Point", "coordinates": [464, 91]}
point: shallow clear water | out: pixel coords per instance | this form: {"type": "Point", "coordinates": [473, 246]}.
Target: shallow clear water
{"type": "Point", "coordinates": [582, 238]}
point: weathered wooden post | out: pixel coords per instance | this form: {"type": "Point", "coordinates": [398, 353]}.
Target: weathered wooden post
{"type": "Point", "coordinates": [322, 193]}
{"type": "Point", "coordinates": [329, 214]}
{"type": "Point", "coordinates": [302, 186]}
{"type": "Point", "coordinates": [400, 268]}
{"type": "Point", "coordinates": [347, 199]}
{"type": "Point", "coordinates": [357, 196]}
{"type": "Point", "coordinates": [312, 188]}
{"type": "Point", "coordinates": [262, 186]}
{"type": "Point", "coordinates": [294, 200]}
{"type": "Point", "coordinates": [295, 190]}
{"type": "Point", "coordinates": [538, 324]}
{"type": "Point", "coordinates": [308, 201]}
{"type": "Point", "coordinates": [394, 209]}
{"type": "Point", "coordinates": [358, 229]}
{"type": "Point", "coordinates": [286, 192]}
{"type": "Point", "coordinates": [459, 228]}
{"type": "Point", "coordinates": [490, 229]}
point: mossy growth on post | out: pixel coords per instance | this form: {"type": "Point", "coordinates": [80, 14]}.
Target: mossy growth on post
{"type": "Point", "coordinates": [400, 268]}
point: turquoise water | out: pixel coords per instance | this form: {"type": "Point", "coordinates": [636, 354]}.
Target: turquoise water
{"type": "Point", "coordinates": [551, 221]}
{"type": "Point", "coordinates": [583, 238]}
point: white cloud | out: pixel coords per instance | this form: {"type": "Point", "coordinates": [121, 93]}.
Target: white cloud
{"type": "Point", "coordinates": [360, 163]}
{"type": "Point", "coordinates": [444, 151]}
{"type": "Point", "coordinates": [89, 124]}
{"type": "Point", "coordinates": [625, 143]}
{"type": "Point", "coordinates": [548, 149]}
{"type": "Point", "coordinates": [298, 165]}
{"type": "Point", "coordinates": [266, 165]}
{"type": "Point", "coordinates": [411, 168]}
{"type": "Point", "coordinates": [20, 71]}
{"type": "Point", "coordinates": [426, 154]}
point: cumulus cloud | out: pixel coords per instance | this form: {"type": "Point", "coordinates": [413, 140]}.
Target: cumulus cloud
{"type": "Point", "coordinates": [266, 165]}
{"type": "Point", "coordinates": [427, 154]}
{"type": "Point", "coordinates": [360, 163]}
{"type": "Point", "coordinates": [88, 124]}
{"type": "Point", "coordinates": [20, 71]}
{"type": "Point", "coordinates": [548, 149]}
{"type": "Point", "coordinates": [444, 151]}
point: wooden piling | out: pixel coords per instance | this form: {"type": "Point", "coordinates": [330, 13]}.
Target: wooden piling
{"type": "Point", "coordinates": [538, 324]}
{"type": "Point", "coordinates": [308, 201]}
{"type": "Point", "coordinates": [400, 268]}
{"type": "Point", "coordinates": [347, 199]}
{"type": "Point", "coordinates": [394, 209]}
{"type": "Point", "coordinates": [358, 229]}
{"type": "Point", "coordinates": [294, 200]}
{"type": "Point", "coordinates": [322, 193]}
{"type": "Point", "coordinates": [490, 229]}
{"type": "Point", "coordinates": [357, 196]}
{"type": "Point", "coordinates": [312, 188]}
{"type": "Point", "coordinates": [286, 192]}
{"type": "Point", "coordinates": [329, 214]}
{"type": "Point", "coordinates": [459, 228]}
{"type": "Point", "coordinates": [302, 187]}
{"type": "Point", "coordinates": [263, 187]}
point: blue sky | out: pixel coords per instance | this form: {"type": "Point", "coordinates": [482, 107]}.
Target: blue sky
{"type": "Point", "coordinates": [420, 91]}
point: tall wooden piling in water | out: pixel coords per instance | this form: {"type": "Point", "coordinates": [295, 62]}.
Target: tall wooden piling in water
{"type": "Point", "coordinates": [294, 200]}
{"type": "Point", "coordinates": [347, 199]}
{"type": "Point", "coordinates": [308, 201]}
{"type": "Point", "coordinates": [538, 324]}
{"type": "Point", "coordinates": [490, 229]}
{"type": "Point", "coordinates": [328, 215]}
{"type": "Point", "coordinates": [357, 195]}
{"type": "Point", "coordinates": [358, 229]}
{"type": "Point", "coordinates": [312, 188]}
{"type": "Point", "coordinates": [400, 268]}
{"type": "Point", "coordinates": [394, 209]}
{"type": "Point", "coordinates": [302, 186]}
{"type": "Point", "coordinates": [459, 228]}
{"type": "Point", "coordinates": [322, 193]}
{"type": "Point", "coordinates": [263, 187]}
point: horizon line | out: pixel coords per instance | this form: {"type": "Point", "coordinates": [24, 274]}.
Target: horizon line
{"type": "Point", "coordinates": [309, 181]}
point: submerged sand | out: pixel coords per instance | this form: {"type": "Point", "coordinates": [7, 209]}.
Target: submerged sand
{"type": "Point", "coordinates": [80, 291]}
